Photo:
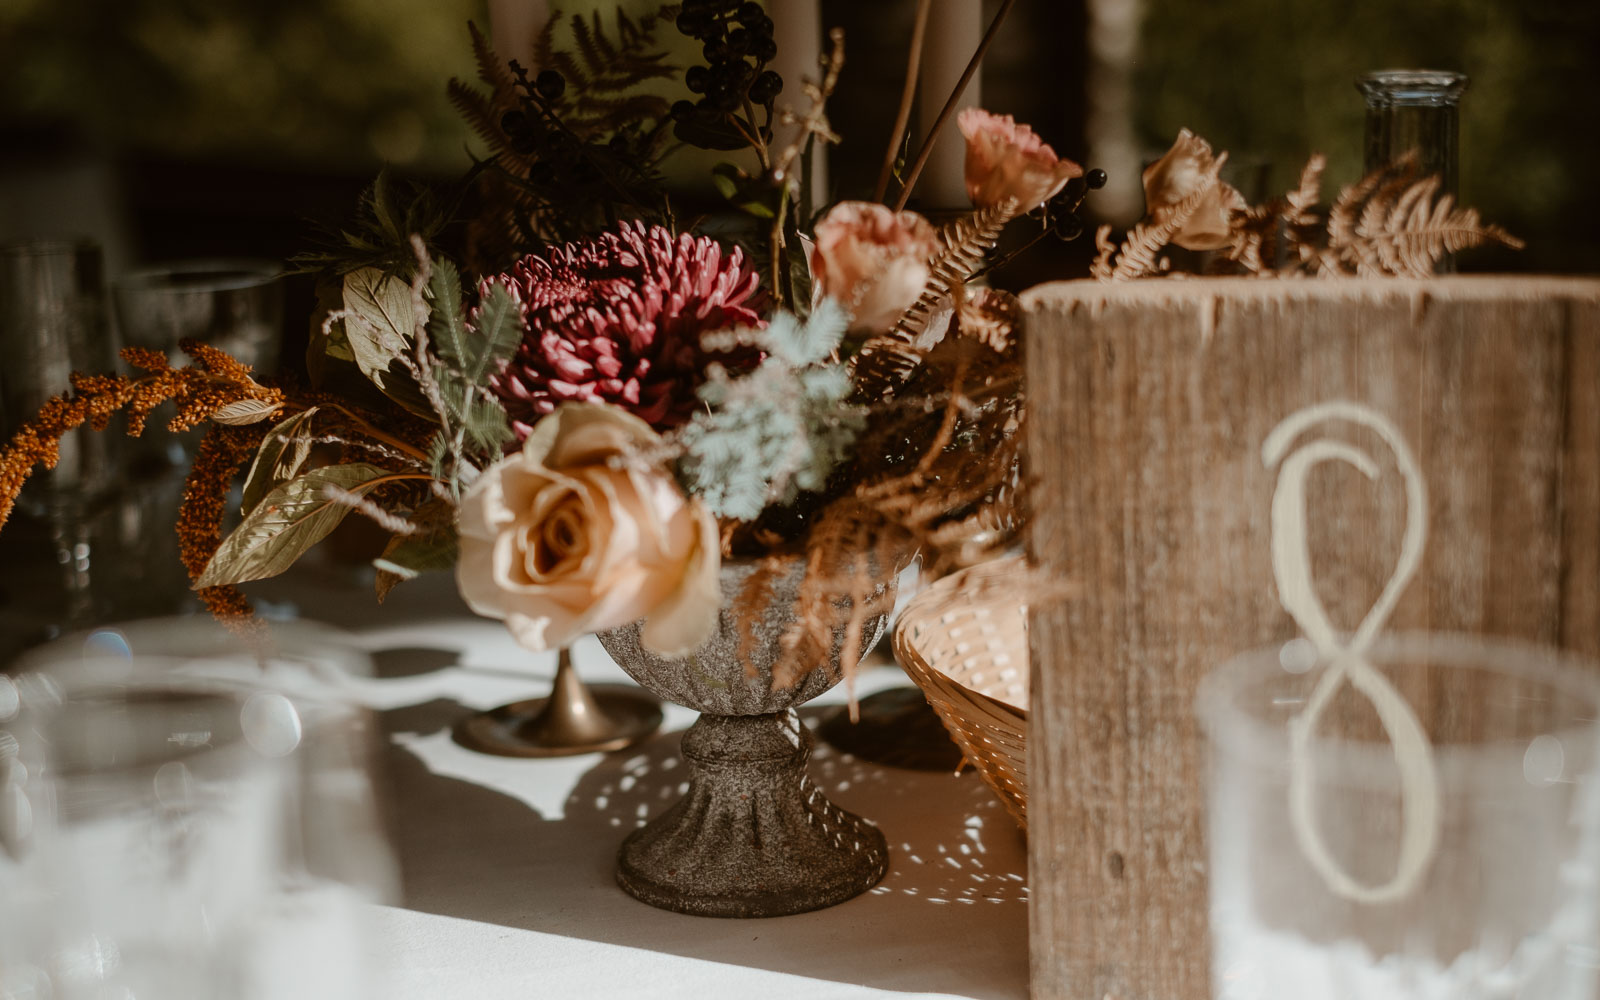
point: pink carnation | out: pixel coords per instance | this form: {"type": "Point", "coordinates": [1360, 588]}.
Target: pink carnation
{"type": "Point", "coordinates": [1008, 161]}
{"type": "Point", "coordinates": [619, 320]}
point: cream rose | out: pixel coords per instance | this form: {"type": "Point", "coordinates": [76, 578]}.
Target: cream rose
{"type": "Point", "coordinates": [574, 534]}
{"type": "Point", "coordinates": [874, 261]}
{"type": "Point", "coordinates": [1006, 160]}
{"type": "Point", "coordinates": [1187, 168]}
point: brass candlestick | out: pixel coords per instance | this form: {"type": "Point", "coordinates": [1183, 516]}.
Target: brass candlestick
{"type": "Point", "coordinates": [572, 719]}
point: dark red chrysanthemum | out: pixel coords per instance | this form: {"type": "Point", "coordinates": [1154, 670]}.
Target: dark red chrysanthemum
{"type": "Point", "coordinates": [619, 320]}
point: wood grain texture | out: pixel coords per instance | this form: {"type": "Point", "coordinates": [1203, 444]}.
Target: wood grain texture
{"type": "Point", "coordinates": [1149, 403]}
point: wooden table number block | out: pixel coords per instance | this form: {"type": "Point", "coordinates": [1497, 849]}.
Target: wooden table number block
{"type": "Point", "coordinates": [1149, 403]}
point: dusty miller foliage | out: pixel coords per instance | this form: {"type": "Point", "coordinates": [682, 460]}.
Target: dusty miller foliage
{"type": "Point", "coordinates": [778, 430]}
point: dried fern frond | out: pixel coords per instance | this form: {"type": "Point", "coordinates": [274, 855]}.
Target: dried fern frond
{"type": "Point", "coordinates": [937, 475]}
{"type": "Point", "coordinates": [1303, 200]}
{"type": "Point", "coordinates": [885, 362]}
{"type": "Point", "coordinates": [1280, 233]}
{"type": "Point", "coordinates": [1137, 257]}
{"type": "Point", "coordinates": [1404, 228]}
{"type": "Point", "coordinates": [1105, 249]}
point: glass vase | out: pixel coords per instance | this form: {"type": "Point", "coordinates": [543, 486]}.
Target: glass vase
{"type": "Point", "coordinates": [1414, 111]}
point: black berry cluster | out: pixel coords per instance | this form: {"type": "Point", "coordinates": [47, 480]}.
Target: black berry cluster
{"type": "Point", "coordinates": [561, 160]}
{"type": "Point", "coordinates": [1062, 210]}
{"type": "Point", "coordinates": [737, 44]}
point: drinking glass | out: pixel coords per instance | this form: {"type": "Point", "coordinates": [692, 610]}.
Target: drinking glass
{"type": "Point", "coordinates": [189, 815]}
{"type": "Point", "coordinates": [233, 305]}
{"type": "Point", "coordinates": [52, 323]}
{"type": "Point", "coordinates": [1507, 905]}
{"type": "Point", "coordinates": [1415, 112]}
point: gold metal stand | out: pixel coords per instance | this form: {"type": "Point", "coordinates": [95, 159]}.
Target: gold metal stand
{"type": "Point", "coordinates": [573, 719]}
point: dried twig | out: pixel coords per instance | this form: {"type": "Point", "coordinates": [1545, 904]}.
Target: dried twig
{"type": "Point", "coordinates": [950, 105]}
{"type": "Point", "coordinates": [908, 94]}
{"type": "Point", "coordinates": [392, 523]}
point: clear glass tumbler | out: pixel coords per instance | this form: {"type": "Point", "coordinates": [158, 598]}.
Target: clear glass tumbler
{"type": "Point", "coordinates": [233, 305]}
{"type": "Point", "coordinates": [188, 816]}
{"type": "Point", "coordinates": [1507, 906]}
{"type": "Point", "coordinates": [53, 323]}
{"type": "Point", "coordinates": [1414, 111]}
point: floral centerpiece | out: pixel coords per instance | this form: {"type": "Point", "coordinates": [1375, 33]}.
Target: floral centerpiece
{"type": "Point", "coordinates": [598, 392]}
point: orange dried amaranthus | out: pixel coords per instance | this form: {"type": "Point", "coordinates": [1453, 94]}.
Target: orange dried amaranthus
{"type": "Point", "coordinates": [216, 387]}
{"type": "Point", "coordinates": [222, 453]}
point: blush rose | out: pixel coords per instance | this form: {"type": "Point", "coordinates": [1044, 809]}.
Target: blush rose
{"type": "Point", "coordinates": [873, 260]}
{"type": "Point", "coordinates": [1188, 169]}
{"type": "Point", "coordinates": [1007, 161]}
{"type": "Point", "coordinates": [575, 533]}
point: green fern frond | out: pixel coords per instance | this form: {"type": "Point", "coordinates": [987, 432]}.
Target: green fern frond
{"type": "Point", "coordinates": [478, 113]}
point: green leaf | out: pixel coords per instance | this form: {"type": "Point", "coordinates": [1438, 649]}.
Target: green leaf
{"type": "Point", "coordinates": [499, 333]}
{"type": "Point", "coordinates": [289, 520]}
{"type": "Point", "coordinates": [471, 354]}
{"type": "Point", "coordinates": [382, 307]}
{"type": "Point", "coordinates": [245, 411]}
{"type": "Point", "coordinates": [410, 556]}
{"type": "Point", "coordinates": [379, 328]}
{"type": "Point", "coordinates": [326, 339]}
{"type": "Point", "coordinates": [406, 557]}
{"type": "Point", "coordinates": [750, 195]}
{"type": "Point", "coordinates": [727, 177]}
{"type": "Point", "coordinates": [447, 331]}
{"type": "Point", "coordinates": [279, 458]}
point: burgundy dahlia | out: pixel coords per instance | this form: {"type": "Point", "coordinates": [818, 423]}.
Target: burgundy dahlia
{"type": "Point", "coordinates": [619, 319]}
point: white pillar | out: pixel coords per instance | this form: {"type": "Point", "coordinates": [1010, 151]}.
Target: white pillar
{"type": "Point", "coordinates": [513, 26]}
{"type": "Point", "coordinates": [955, 27]}
{"type": "Point", "coordinates": [1113, 142]}
{"type": "Point", "coordinates": [797, 28]}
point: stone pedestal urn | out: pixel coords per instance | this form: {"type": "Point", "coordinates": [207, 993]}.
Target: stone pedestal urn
{"type": "Point", "coordinates": [753, 837]}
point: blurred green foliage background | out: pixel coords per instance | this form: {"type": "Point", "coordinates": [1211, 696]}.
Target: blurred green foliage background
{"type": "Point", "coordinates": [1273, 80]}
{"type": "Point", "coordinates": [325, 83]}
{"type": "Point", "coordinates": [338, 87]}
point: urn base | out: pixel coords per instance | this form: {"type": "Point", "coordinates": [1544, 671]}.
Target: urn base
{"type": "Point", "coordinates": [753, 837]}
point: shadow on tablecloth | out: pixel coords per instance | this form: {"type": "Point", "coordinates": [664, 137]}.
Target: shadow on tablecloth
{"type": "Point", "coordinates": [950, 917]}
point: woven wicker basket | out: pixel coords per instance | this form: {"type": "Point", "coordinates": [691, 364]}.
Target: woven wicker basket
{"type": "Point", "coordinates": [964, 641]}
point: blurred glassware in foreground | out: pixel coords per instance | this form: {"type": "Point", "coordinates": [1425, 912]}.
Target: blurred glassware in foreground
{"type": "Point", "coordinates": [188, 816]}
{"type": "Point", "coordinates": [1509, 903]}
{"type": "Point", "coordinates": [52, 323]}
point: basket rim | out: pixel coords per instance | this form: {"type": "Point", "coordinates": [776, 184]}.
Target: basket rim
{"type": "Point", "coordinates": [912, 660]}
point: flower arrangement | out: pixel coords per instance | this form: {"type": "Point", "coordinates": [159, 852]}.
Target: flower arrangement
{"type": "Point", "coordinates": [617, 400]}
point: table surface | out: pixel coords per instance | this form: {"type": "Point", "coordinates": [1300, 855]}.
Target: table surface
{"type": "Point", "coordinates": [507, 865]}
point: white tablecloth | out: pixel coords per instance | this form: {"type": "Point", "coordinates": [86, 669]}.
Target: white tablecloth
{"type": "Point", "coordinates": [507, 865]}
